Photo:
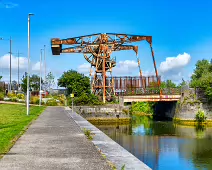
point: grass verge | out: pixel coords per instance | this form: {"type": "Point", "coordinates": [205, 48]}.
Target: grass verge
{"type": "Point", "coordinates": [13, 123]}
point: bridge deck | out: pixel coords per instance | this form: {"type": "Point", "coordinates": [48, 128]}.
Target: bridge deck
{"type": "Point", "coordinates": [151, 98]}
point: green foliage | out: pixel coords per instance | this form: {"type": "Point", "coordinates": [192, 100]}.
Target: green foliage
{"type": "Point", "coordinates": [183, 83]}
{"type": "Point", "coordinates": [85, 99]}
{"type": "Point", "coordinates": [202, 67]}
{"type": "Point", "coordinates": [34, 82]}
{"type": "Point", "coordinates": [20, 96]}
{"type": "Point", "coordinates": [1, 96]}
{"type": "Point", "coordinates": [142, 107]}
{"type": "Point", "coordinates": [51, 102]}
{"type": "Point", "coordinates": [10, 95]}
{"type": "Point", "coordinates": [164, 84]}
{"type": "Point", "coordinates": [61, 98]}
{"type": "Point", "coordinates": [13, 122]}
{"type": "Point", "coordinates": [123, 167]}
{"type": "Point", "coordinates": [200, 116]}
{"type": "Point", "coordinates": [49, 96]}
{"type": "Point", "coordinates": [170, 84]}
{"type": "Point", "coordinates": [125, 111]}
{"type": "Point", "coordinates": [34, 100]}
{"type": "Point", "coordinates": [75, 82]}
{"type": "Point", "coordinates": [49, 81]}
{"type": "Point", "coordinates": [14, 99]}
{"type": "Point", "coordinates": [87, 133]}
{"type": "Point", "coordinates": [202, 77]}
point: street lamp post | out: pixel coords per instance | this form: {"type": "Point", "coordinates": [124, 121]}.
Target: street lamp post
{"type": "Point", "coordinates": [45, 68]}
{"type": "Point", "coordinates": [10, 61]}
{"type": "Point", "coordinates": [40, 102]}
{"type": "Point", "coordinates": [28, 62]}
{"type": "Point", "coordinates": [18, 67]}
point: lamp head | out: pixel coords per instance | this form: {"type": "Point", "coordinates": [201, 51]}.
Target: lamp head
{"type": "Point", "coordinates": [30, 14]}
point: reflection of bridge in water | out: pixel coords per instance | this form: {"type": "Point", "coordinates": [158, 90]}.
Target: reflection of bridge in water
{"type": "Point", "coordinates": [142, 88]}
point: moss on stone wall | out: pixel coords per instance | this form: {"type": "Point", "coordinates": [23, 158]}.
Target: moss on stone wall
{"type": "Point", "coordinates": [192, 122]}
{"type": "Point", "coordinates": [106, 120]}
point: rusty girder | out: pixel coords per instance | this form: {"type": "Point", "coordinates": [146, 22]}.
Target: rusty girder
{"type": "Point", "coordinates": [107, 38]}
{"type": "Point", "coordinates": [93, 48]}
{"type": "Point", "coordinates": [97, 50]}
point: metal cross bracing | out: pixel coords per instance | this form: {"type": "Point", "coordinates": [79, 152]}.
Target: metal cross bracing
{"type": "Point", "coordinates": [97, 50]}
{"type": "Point", "coordinates": [145, 85]}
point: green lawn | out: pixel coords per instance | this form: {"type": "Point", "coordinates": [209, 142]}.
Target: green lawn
{"type": "Point", "coordinates": [13, 122]}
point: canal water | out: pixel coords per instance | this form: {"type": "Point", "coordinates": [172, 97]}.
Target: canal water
{"type": "Point", "coordinates": [164, 145]}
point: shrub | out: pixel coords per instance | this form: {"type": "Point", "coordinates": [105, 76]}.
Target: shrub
{"type": "Point", "coordinates": [48, 96]}
{"type": "Point", "coordinates": [14, 99]}
{"type": "Point", "coordinates": [62, 98]}
{"type": "Point", "coordinates": [142, 107]}
{"type": "Point", "coordinates": [1, 96]}
{"type": "Point", "coordinates": [20, 96]}
{"type": "Point", "coordinates": [51, 102]}
{"type": "Point", "coordinates": [11, 95]}
{"type": "Point", "coordinates": [200, 116]}
{"type": "Point", "coordinates": [34, 100]}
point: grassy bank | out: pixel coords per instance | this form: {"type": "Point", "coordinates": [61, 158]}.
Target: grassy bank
{"type": "Point", "coordinates": [13, 123]}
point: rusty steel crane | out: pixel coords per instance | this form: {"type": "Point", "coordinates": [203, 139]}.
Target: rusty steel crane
{"type": "Point", "coordinates": [97, 50]}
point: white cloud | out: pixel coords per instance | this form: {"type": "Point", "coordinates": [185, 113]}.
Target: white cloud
{"type": "Point", "coordinates": [36, 66]}
{"type": "Point", "coordinates": [84, 68]}
{"type": "Point", "coordinates": [173, 68]}
{"type": "Point", "coordinates": [123, 68]}
{"type": "Point", "coordinates": [23, 64]}
{"type": "Point", "coordinates": [173, 63]}
{"type": "Point", "coordinates": [131, 64]}
{"type": "Point", "coordinates": [5, 62]}
{"type": "Point", "coordinates": [6, 4]}
{"type": "Point", "coordinates": [126, 67]}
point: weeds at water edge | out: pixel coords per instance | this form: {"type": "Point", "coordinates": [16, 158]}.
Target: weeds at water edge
{"type": "Point", "coordinates": [87, 133]}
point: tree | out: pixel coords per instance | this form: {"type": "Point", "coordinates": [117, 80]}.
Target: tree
{"type": "Point", "coordinates": [14, 85]}
{"type": "Point", "coordinates": [49, 81]}
{"type": "Point", "coordinates": [202, 68]}
{"type": "Point", "coordinates": [0, 77]}
{"type": "Point", "coordinates": [170, 84]}
{"type": "Point", "coordinates": [202, 77]}
{"type": "Point", "coordinates": [182, 84]}
{"type": "Point", "coordinates": [167, 84]}
{"type": "Point", "coordinates": [34, 82]}
{"type": "Point", "coordinates": [74, 82]}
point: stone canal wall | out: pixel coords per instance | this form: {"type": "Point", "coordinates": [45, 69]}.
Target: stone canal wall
{"type": "Point", "coordinates": [192, 100]}
{"type": "Point", "coordinates": [105, 112]}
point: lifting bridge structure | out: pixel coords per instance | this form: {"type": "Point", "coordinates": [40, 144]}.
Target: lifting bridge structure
{"type": "Point", "coordinates": [97, 50]}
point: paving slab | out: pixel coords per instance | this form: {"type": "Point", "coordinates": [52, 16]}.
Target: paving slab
{"type": "Point", "coordinates": [54, 141]}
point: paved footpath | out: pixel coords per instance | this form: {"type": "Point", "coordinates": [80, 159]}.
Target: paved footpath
{"type": "Point", "coordinates": [54, 141]}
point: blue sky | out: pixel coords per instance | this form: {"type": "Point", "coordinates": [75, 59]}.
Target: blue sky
{"type": "Point", "coordinates": [177, 27]}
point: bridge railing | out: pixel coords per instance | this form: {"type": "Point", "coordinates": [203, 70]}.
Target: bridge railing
{"type": "Point", "coordinates": [147, 91]}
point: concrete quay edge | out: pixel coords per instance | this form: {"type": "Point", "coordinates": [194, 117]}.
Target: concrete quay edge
{"type": "Point", "coordinates": [113, 151]}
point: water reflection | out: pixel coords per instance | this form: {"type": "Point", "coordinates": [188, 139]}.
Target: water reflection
{"type": "Point", "coordinates": [164, 145]}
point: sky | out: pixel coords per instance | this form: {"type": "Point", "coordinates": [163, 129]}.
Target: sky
{"type": "Point", "coordinates": [181, 31]}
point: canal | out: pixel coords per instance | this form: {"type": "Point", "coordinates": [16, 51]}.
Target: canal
{"type": "Point", "coordinates": [164, 145]}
